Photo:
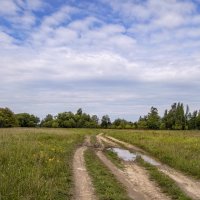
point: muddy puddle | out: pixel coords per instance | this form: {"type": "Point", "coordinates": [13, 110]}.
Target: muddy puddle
{"type": "Point", "coordinates": [126, 155]}
{"type": "Point", "coordinates": [123, 154]}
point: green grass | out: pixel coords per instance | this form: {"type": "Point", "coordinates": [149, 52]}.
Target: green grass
{"type": "Point", "coordinates": [166, 184]}
{"type": "Point", "coordinates": [36, 163]}
{"type": "Point", "coordinates": [93, 139]}
{"type": "Point", "coordinates": [178, 149]}
{"type": "Point", "coordinates": [106, 186]}
{"type": "Point", "coordinates": [112, 156]}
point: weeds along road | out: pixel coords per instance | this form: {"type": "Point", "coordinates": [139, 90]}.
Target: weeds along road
{"type": "Point", "coordinates": [83, 185]}
{"type": "Point", "coordinates": [190, 186]}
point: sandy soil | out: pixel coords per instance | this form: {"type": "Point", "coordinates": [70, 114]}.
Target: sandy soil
{"type": "Point", "coordinates": [187, 184]}
{"type": "Point", "coordinates": [121, 177]}
{"type": "Point", "coordinates": [190, 186]}
{"type": "Point", "coordinates": [133, 177]}
{"type": "Point", "coordinates": [83, 185]}
{"type": "Point", "coordinates": [140, 179]}
{"type": "Point", "coordinates": [101, 139]}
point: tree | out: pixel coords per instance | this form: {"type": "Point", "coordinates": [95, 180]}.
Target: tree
{"type": "Point", "coordinates": [7, 118]}
{"type": "Point", "coordinates": [122, 124]}
{"type": "Point", "coordinates": [79, 111]}
{"type": "Point", "coordinates": [27, 120]}
{"type": "Point", "coordinates": [193, 120]}
{"type": "Point", "coordinates": [176, 118]}
{"type": "Point", "coordinates": [153, 119]}
{"type": "Point", "coordinates": [95, 119]}
{"type": "Point", "coordinates": [142, 123]}
{"type": "Point", "coordinates": [63, 119]}
{"type": "Point", "coordinates": [47, 121]}
{"type": "Point", "coordinates": [105, 121]}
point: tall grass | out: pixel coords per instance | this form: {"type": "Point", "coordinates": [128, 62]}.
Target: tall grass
{"type": "Point", "coordinates": [178, 149]}
{"type": "Point", "coordinates": [36, 163]}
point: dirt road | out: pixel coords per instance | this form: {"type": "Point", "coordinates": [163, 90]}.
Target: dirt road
{"type": "Point", "coordinates": [190, 186]}
{"type": "Point", "coordinates": [83, 185]}
{"type": "Point", "coordinates": [133, 177]}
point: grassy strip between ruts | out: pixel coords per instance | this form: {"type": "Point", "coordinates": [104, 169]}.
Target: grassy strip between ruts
{"type": "Point", "coordinates": [166, 184]}
{"type": "Point", "coordinates": [36, 163]}
{"type": "Point", "coordinates": [112, 156]}
{"type": "Point", "coordinates": [106, 185]}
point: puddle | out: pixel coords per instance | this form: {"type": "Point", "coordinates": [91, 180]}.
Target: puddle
{"type": "Point", "coordinates": [150, 160]}
{"type": "Point", "coordinates": [126, 155]}
{"type": "Point", "coordinates": [123, 154]}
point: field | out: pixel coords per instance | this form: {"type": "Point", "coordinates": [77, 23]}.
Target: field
{"type": "Point", "coordinates": [178, 149]}
{"type": "Point", "coordinates": [36, 163]}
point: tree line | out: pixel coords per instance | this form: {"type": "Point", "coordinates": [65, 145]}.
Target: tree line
{"type": "Point", "coordinates": [176, 118]}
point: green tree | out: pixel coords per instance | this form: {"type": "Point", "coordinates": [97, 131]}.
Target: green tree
{"type": "Point", "coordinates": [176, 118]}
{"type": "Point", "coordinates": [7, 118]}
{"type": "Point", "coordinates": [105, 121]}
{"type": "Point", "coordinates": [27, 120]}
{"type": "Point", "coordinates": [79, 111]}
{"type": "Point", "coordinates": [47, 121]}
{"type": "Point", "coordinates": [153, 119]}
{"type": "Point", "coordinates": [193, 120]}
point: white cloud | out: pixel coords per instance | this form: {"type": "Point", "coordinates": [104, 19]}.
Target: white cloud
{"type": "Point", "coordinates": [157, 47]}
{"type": "Point", "coordinates": [59, 17]}
{"type": "Point", "coordinates": [8, 7]}
{"type": "Point", "coordinates": [5, 38]}
{"type": "Point", "coordinates": [30, 4]}
{"type": "Point", "coordinates": [35, 4]}
{"type": "Point", "coordinates": [166, 14]}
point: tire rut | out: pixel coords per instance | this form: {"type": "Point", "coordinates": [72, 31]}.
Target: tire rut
{"type": "Point", "coordinates": [133, 177]}
{"type": "Point", "coordinates": [189, 185]}
{"type": "Point", "coordinates": [83, 185]}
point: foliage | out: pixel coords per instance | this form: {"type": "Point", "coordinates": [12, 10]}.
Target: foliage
{"type": "Point", "coordinates": [27, 120]}
{"type": "Point", "coordinates": [176, 118]}
{"type": "Point", "coordinates": [7, 118]}
{"type": "Point", "coordinates": [105, 122]}
{"type": "Point", "coordinates": [122, 124]}
{"type": "Point", "coordinates": [78, 120]}
{"type": "Point", "coordinates": [151, 121]}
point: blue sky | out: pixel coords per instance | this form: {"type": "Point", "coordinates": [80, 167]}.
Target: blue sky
{"type": "Point", "coordinates": [107, 56]}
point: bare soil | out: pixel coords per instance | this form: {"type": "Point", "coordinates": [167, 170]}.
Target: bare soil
{"type": "Point", "coordinates": [133, 177]}
{"type": "Point", "coordinates": [83, 184]}
{"type": "Point", "coordinates": [189, 185]}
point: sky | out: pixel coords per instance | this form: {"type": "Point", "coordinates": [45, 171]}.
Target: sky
{"type": "Point", "coordinates": [105, 56]}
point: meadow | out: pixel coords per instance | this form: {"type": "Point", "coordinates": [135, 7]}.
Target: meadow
{"type": "Point", "coordinates": [178, 149]}
{"type": "Point", "coordinates": [37, 163]}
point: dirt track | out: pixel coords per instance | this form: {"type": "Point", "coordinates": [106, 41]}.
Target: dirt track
{"type": "Point", "coordinates": [134, 178]}
{"type": "Point", "coordinates": [120, 175]}
{"type": "Point", "coordinates": [190, 186]}
{"type": "Point", "coordinates": [83, 185]}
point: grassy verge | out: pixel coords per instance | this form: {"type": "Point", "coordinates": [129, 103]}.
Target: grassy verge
{"type": "Point", "coordinates": [166, 184]}
{"type": "Point", "coordinates": [36, 163]}
{"type": "Point", "coordinates": [107, 187]}
{"type": "Point", "coordinates": [112, 156]}
{"type": "Point", "coordinates": [178, 149]}
{"type": "Point", "coordinates": [93, 139]}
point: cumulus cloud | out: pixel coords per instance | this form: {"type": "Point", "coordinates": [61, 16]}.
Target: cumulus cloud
{"type": "Point", "coordinates": [73, 57]}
